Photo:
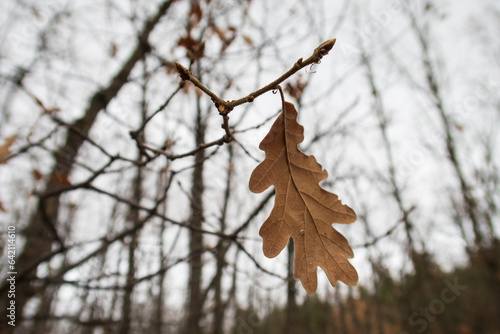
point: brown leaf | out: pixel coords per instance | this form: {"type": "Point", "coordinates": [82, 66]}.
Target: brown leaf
{"type": "Point", "coordinates": [187, 42]}
{"type": "Point", "coordinates": [248, 40]}
{"type": "Point", "coordinates": [296, 89]}
{"type": "Point", "coordinates": [194, 49]}
{"type": "Point", "coordinates": [5, 148]}
{"type": "Point", "coordinates": [302, 209]}
{"type": "Point", "coordinates": [60, 178]}
{"type": "Point", "coordinates": [2, 207]}
{"type": "Point", "coordinates": [37, 175]}
{"type": "Point", "coordinates": [226, 36]}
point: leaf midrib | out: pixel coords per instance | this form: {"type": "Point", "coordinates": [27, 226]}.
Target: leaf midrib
{"type": "Point", "coordinates": [289, 163]}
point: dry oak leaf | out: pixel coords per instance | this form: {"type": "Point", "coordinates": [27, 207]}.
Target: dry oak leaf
{"type": "Point", "coordinates": [302, 209]}
{"type": "Point", "coordinates": [5, 148]}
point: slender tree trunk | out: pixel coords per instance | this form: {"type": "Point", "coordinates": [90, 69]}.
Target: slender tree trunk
{"type": "Point", "coordinates": [219, 309]}
{"type": "Point", "coordinates": [375, 311]}
{"type": "Point", "coordinates": [356, 323]}
{"type": "Point", "coordinates": [469, 201]}
{"type": "Point", "coordinates": [380, 280]}
{"type": "Point", "coordinates": [90, 307]}
{"type": "Point", "coordinates": [291, 307]}
{"type": "Point", "coordinates": [342, 312]}
{"type": "Point", "coordinates": [126, 320]}
{"type": "Point", "coordinates": [134, 220]}
{"type": "Point", "coordinates": [195, 302]}
{"type": "Point", "coordinates": [222, 247]}
{"type": "Point", "coordinates": [158, 317]}
{"type": "Point", "coordinates": [42, 323]}
{"type": "Point", "coordinates": [414, 293]}
{"type": "Point", "coordinates": [127, 305]}
{"type": "Point", "coordinates": [379, 108]}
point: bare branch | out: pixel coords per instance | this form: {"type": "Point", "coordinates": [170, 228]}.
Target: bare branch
{"type": "Point", "coordinates": [225, 107]}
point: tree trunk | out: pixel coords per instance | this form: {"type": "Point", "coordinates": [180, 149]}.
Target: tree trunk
{"type": "Point", "coordinates": [469, 200]}
{"type": "Point", "coordinates": [222, 247]}
{"type": "Point", "coordinates": [40, 233]}
{"type": "Point", "coordinates": [195, 302]}
{"type": "Point", "coordinates": [126, 321]}
{"type": "Point", "coordinates": [291, 308]}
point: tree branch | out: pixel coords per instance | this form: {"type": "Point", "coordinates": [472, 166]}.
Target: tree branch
{"type": "Point", "coordinates": [225, 107]}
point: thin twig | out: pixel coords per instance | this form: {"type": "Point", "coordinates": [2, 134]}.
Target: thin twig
{"type": "Point", "coordinates": [25, 148]}
{"type": "Point", "coordinates": [84, 184]}
{"type": "Point", "coordinates": [225, 107]}
{"type": "Point", "coordinates": [253, 214]}
{"type": "Point", "coordinates": [388, 232]}
{"type": "Point", "coordinates": [198, 148]}
{"type": "Point", "coordinates": [256, 263]}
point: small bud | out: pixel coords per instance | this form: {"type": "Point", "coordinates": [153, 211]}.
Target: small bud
{"type": "Point", "coordinates": [325, 47]}
{"type": "Point", "coordinates": [183, 72]}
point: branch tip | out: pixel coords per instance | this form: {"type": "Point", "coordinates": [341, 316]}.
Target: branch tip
{"type": "Point", "coordinates": [183, 72]}
{"type": "Point", "coordinates": [325, 47]}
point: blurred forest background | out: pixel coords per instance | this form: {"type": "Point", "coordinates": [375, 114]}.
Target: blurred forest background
{"type": "Point", "coordinates": [123, 227]}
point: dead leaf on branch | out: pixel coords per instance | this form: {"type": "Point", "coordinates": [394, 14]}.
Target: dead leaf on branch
{"type": "Point", "coordinates": [60, 179]}
{"type": "Point", "coordinates": [5, 148]}
{"type": "Point", "coordinates": [302, 209]}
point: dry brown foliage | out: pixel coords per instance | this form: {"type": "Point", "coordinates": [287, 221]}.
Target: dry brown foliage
{"type": "Point", "coordinates": [5, 148]}
{"type": "Point", "coordinates": [302, 209]}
